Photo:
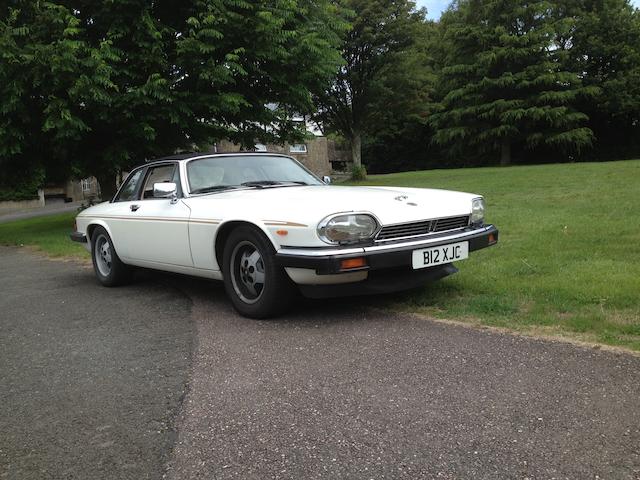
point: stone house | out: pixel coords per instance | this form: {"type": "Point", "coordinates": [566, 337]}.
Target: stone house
{"type": "Point", "coordinates": [319, 154]}
{"type": "Point", "coordinates": [72, 191]}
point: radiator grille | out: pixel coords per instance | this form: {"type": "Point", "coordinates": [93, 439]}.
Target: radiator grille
{"type": "Point", "coordinates": [415, 229]}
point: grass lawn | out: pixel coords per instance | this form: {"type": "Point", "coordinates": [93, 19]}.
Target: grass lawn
{"type": "Point", "coordinates": [568, 261]}
{"type": "Point", "coordinates": [49, 234]}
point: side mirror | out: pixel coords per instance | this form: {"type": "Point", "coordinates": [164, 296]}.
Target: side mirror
{"type": "Point", "coordinates": [326, 179]}
{"type": "Point", "coordinates": [166, 190]}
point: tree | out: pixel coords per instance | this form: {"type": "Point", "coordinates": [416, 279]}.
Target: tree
{"type": "Point", "coordinates": [378, 78]}
{"type": "Point", "coordinates": [503, 84]}
{"type": "Point", "coordinates": [111, 84]}
{"type": "Point", "coordinates": [400, 139]}
{"type": "Point", "coordinates": [43, 64]}
{"type": "Point", "coordinates": [602, 46]}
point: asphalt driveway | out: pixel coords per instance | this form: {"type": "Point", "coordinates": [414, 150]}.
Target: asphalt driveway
{"type": "Point", "coordinates": [90, 378]}
{"type": "Point", "coordinates": [333, 390]}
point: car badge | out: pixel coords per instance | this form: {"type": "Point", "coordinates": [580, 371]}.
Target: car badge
{"type": "Point", "coordinates": [401, 198]}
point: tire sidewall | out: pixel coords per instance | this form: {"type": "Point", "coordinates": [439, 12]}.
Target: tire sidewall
{"type": "Point", "coordinates": [118, 272]}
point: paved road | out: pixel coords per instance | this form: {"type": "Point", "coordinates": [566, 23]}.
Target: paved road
{"type": "Point", "coordinates": [333, 390]}
{"type": "Point", "coordinates": [53, 209]}
{"type": "Point", "coordinates": [90, 378]}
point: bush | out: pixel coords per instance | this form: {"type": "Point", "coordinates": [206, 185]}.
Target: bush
{"type": "Point", "coordinates": [358, 173]}
{"type": "Point", "coordinates": [16, 188]}
{"type": "Point", "coordinates": [17, 194]}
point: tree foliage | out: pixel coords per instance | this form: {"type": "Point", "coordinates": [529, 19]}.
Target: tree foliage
{"type": "Point", "coordinates": [43, 65]}
{"type": "Point", "coordinates": [602, 46]}
{"type": "Point", "coordinates": [503, 84]}
{"type": "Point", "coordinates": [401, 140]}
{"type": "Point", "coordinates": [381, 78]}
{"type": "Point", "coordinates": [93, 87]}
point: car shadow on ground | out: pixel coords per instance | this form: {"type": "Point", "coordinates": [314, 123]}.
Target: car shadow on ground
{"type": "Point", "coordinates": [303, 310]}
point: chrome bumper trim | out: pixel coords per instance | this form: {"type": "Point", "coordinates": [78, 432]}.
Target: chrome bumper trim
{"type": "Point", "coordinates": [427, 242]}
{"type": "Point", "coordinates": [324, 252]}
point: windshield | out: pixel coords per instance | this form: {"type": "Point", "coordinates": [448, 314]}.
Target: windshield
{"type": "Point", "coordinates": [223, 172]}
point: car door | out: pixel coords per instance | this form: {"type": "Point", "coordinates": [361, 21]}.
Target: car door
{"type": "Point", "coordinates": [153, 230]}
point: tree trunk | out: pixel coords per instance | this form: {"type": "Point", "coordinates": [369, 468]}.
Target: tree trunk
{"type": "Point", "coordinates": [505, 154]}
{"type": "Point", "coordinates": [356, 149]}
{"type": "Point", "coordinates": [107, 181]}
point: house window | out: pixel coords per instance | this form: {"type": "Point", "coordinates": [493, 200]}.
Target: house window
{"type": "Point", "coordinates": [260, 147]}
{"type": "Point", "coordinates": [86, 184]}
{"type": "Point", "coordinates": [298, 148]}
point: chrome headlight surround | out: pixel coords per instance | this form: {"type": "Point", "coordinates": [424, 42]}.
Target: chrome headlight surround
{"type": "Point", "coordinates": [348, 228]}
{"type": "Point", "coordinates": [477, 211]}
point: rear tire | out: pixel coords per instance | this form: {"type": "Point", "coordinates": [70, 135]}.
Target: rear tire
{"type": "Point", "coordinates": [108, 267]}
{"type": "Point", "coordinates": [257, 286]}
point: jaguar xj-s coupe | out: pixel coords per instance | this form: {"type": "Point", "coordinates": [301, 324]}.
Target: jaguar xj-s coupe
{"type": "Point", "coordinates": [267, 226]}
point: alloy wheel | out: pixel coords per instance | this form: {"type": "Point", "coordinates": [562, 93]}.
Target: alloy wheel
{"type": "Point", "coordinates": [247, 272]}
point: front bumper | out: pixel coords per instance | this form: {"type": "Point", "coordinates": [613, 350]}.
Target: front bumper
{"type": "Point", "coordinates": [327, 261]}
{"type": "Point", "coordinates": [388, 266]}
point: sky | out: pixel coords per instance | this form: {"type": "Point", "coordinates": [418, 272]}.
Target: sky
{"type": "Point", "coordinates": [435, 7]}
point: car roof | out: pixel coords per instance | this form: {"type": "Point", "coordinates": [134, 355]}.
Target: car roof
{"type": "Point", "coordinates": [187, 156]}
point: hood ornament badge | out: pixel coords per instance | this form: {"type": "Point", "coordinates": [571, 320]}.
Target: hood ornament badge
{"type": "Point", "coordinates": [401, 198]}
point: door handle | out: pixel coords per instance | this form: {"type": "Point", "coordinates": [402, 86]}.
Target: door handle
{"type": "Point", "coordinates": [134, 208]}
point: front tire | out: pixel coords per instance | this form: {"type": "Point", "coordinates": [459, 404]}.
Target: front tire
{"type": "Point", "coordinates": [107, 265]}
{"type": "Point", "coordinates": [257, 286]}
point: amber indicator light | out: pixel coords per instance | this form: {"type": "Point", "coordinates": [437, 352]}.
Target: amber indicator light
{"type": "Point", "coordinates": [350, 263]}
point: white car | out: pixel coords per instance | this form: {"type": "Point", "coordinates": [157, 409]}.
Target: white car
{"type": "Point", "coordinates": [267, 226]}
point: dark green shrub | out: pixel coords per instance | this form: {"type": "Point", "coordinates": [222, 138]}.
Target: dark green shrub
{"type": "Point", "coordinates": [358, 173]}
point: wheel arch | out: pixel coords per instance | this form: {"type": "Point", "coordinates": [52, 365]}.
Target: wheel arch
{"type": "Point", "coordinates": [225, 229]}
{"type": "Point", "coordinates": [91, 227]}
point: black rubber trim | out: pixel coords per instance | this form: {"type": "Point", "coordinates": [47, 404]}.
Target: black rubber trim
{"type": "Point", "coordinates": [78, 237]}
{"type": "Point", "coordinates": [382, 260]}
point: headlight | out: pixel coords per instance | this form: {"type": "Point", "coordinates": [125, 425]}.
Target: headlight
{"type": "Point", "coordinates": [347, 228]}
{"type": "Point", "coordinates": [477, 211]}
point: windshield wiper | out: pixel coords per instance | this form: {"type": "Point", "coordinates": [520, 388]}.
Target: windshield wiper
{"type": "Point", "coordinates": [259, 183]}
{"type": "Point", "coordinates": [213, 188]}
{"type": "Point", "coordinates": [255, 184]}
{"type": "Point", "coordinates": [268, 183]}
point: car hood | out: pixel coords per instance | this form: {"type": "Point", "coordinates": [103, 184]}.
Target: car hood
{"type": "Point", "coordinates": [310, 204]}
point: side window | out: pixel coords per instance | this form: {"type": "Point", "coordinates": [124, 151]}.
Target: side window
{"type": "Point", "coordinates": [160, 174]}
{"type": "Point", "coordinates": [130, 188]}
